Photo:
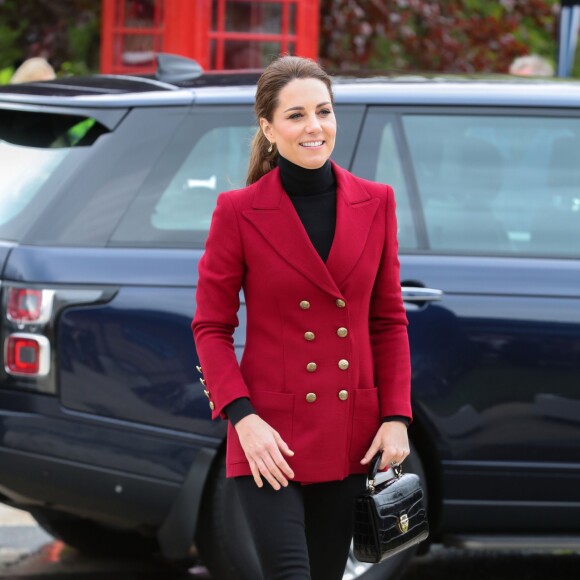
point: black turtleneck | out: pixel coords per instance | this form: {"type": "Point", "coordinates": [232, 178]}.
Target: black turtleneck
{"type": "Point", "coordinates": [313, 194]}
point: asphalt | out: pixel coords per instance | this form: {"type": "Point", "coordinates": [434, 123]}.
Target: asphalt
{"type": "Point", "coordinates": [27, 553]}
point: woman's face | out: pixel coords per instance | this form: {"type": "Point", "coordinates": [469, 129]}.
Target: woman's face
{"type": "Point", "coordinates": [303, 126]}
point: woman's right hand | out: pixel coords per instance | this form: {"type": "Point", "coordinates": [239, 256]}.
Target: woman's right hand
{"type": "Point", "coordinates": [264, 447]}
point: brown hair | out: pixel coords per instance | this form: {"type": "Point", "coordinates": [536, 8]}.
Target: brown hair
{"type": "Point", "coordinates": [276, 76]}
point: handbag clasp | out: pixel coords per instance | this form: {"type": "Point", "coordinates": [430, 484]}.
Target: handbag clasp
{"type": "Point", "coordinates": [403, 523]}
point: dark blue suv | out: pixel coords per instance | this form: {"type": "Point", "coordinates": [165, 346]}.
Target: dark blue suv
{"type": "Point", "coordinates": [107, 186]}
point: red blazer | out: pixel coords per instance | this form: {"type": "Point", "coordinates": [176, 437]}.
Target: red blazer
{"type": "Point", "coordinates": [327, 352]}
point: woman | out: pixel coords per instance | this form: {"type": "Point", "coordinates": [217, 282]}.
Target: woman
{"type": "Point", "coordinates": [323, 384]}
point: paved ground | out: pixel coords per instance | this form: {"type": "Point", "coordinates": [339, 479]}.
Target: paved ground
{"type": "Point", "coordinates": [27, 553]}
{"type": "Point", "coordinates": [19, 536]}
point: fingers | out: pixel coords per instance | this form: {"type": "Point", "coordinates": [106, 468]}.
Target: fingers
{"type": "Point", "coordinates": [255, 473]}
{"type": "Point", "coordinates": [271, 473]}
{"type": "Point", "coordinates": [273, 466]}
{"type": "Point", "coordinates": [282, 445]}
{"type": "Point", "coordinates": [265, 466]}
{"type": "Point", "coordinates": [264, 455]}
{"type": "Point", "coordinates": [393, 456]}
{"type": "Point", "coordinates": [393, 442]}
{"type": "Point", "coordinates": [280, 461]}
{"type": "Point", "coordinates": [373, 450]}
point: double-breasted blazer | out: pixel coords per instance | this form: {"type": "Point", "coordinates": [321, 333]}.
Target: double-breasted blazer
{"type": "Point", "coordinates": [326, 353]}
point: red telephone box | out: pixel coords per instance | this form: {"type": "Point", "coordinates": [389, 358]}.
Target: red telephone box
{"type": "Point", "coordinates": [219, 34]}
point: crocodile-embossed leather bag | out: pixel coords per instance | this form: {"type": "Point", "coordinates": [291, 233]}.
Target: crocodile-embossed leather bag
{"type": "Point", "coordinates": [389, 517]}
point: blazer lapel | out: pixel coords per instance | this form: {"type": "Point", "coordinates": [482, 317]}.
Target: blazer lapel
{"type": "Point", "coordinates": [274, 216]}
{"type": "Point", "coordinates": [355, 211]}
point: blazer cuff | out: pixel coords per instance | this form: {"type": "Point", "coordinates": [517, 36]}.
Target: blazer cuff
{"type": "Point", "coordinates": [238, 409]}
{"type": "Point", "coordinates": [400, 418]}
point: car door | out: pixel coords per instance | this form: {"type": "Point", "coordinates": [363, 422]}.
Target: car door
{"type": "Point", "coordinates": [489, 214]}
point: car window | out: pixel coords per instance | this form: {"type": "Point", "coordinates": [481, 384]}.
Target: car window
{"type": "Point", "coordinates": [208, 155]}
{"type": "Point", "coordinates": [24, 171]}
{"type": "Point", "coordinates": [217, 162]}
{"type": "Point", "coordinates": [389, 171]}
{"type": "Point", "coordinates": [498, 184]}
{"type": "Point", "coordinates": [36, 148]}
{"type": "Point", "coordinates": [378, 158]}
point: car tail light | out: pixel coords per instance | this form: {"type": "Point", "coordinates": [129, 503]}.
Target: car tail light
{"type": "Point", "coordinates": [27, 328]}
{"type": "Point", "coordinates": [27, 355]}
{"type": "Point", "coordinates": [28, 306]}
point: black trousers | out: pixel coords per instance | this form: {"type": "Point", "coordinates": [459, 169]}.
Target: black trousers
{"type": "Point", "coordinates": [301, 532]}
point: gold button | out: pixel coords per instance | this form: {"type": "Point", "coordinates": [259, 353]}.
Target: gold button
{"type": "Point", "coordinates": [311, 367]}
{"type": "Point", "coordinates": [340, 303]}
{"type": "Point", "coordinates": [342, 332]}
{"type": "Point", "coordinates": [311, 397]}
{"type": "Point", "coordinates": [211, 405]}
{"type": "Point", "coordinates": [199, 369]}
{"type": "Point", "coordinates": [304, 304]}
{"type": "Point", "coordinates": [343, 395]}
{"type": "Point", "coordinates": [202, 381]}
{"type": "Point", "coordinates": [309, 335]}
{"type": "Point", "coordinates": [206, 393]}
{"type": "Point", "coordinates": [343, 364]}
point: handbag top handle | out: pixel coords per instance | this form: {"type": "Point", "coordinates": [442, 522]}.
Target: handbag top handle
{"type": "Point", "coordinates": [374, 467]}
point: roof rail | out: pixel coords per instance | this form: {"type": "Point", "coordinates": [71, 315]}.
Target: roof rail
{"type": "Point", "coordinates": [172, 68]}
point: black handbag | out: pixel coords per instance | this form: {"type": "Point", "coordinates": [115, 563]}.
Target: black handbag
{"type": "Point", "coordinates": [389, 517]}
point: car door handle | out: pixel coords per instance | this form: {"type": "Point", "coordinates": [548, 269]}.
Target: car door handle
{"type": "Point", "coordinates": [417, 294]}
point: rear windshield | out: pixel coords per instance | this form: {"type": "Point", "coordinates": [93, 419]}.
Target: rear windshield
{"type": "Point", "coordinates": [37, 149]}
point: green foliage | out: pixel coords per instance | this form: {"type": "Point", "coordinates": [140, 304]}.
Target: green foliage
{"type": "Point", "coordinates": [65, 33]}
{"type": "Point", "coordinates": [6, 75]}
{"type": "Point", "coordinates": [460, 36]}
{"type": "Point", "coordinates": [74, 67]}
{"type": "Point", "coordinates": [10, 32]}
{"type": "Point", "coordinates": [9, 51]}
{"type": "Point", "coordinates": [576, 67]}
{"type": "Point", "coordinates": [83, 41]}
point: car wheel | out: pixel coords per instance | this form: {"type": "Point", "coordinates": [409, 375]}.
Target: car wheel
{"type": "Point", "coordinates": [393, 567]}
{"type": "Point", "coordinates": [223, 537]}
{"type": "Point", "coordinates": [91, 538]}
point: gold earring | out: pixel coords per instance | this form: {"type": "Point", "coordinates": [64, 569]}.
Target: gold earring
{"type": "Point", "coordinates": [270, 148]}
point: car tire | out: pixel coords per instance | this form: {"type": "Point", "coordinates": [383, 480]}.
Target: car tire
{"type": "Point", "coordinates": [91, 538]}
{"type": "Point", "coordinates": [223, 538]}
{"type": "Point", "coordinates": [226, 548]}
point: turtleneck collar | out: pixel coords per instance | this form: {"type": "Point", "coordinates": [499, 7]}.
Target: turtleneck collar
{"type": "Point", "coordinates": [299, 181]}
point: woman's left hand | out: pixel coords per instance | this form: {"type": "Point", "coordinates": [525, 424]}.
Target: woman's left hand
{"type": "Point", "coordinates": [393, 440]}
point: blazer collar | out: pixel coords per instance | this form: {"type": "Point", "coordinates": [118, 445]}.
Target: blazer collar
{"type": "Point", "coordinates": [269, 191]}
{"type": "Point", "coordinates": [275, 218]}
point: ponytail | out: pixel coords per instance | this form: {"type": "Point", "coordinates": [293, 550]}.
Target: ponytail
{"type": "Point", "coordinates": [261, 161]}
